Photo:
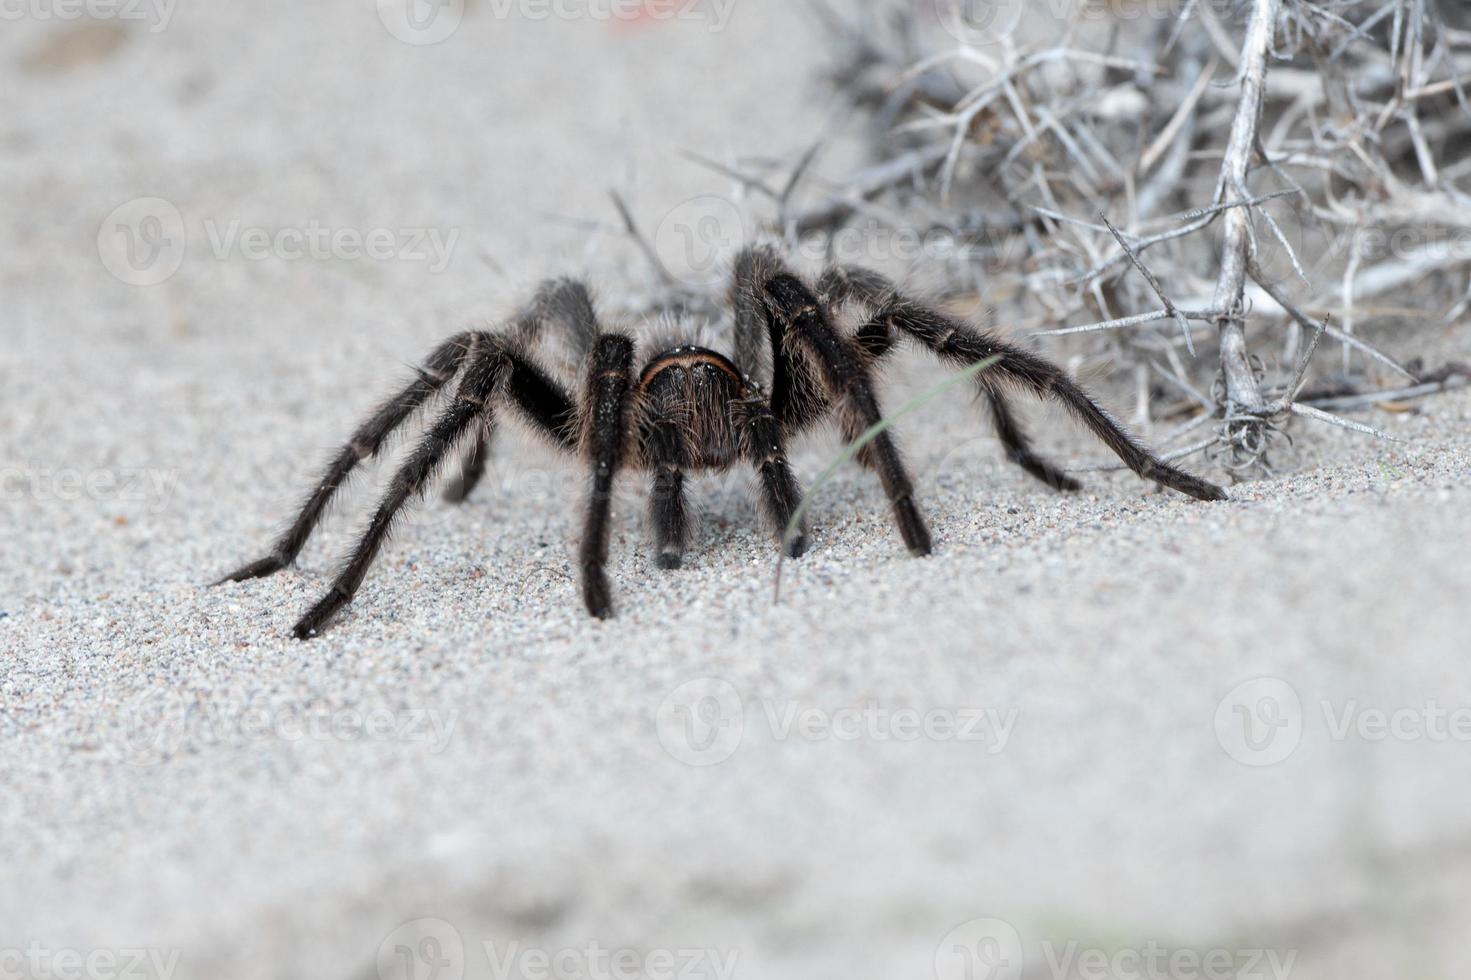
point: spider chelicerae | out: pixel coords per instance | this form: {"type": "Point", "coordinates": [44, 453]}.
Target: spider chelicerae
{"type": "Point", "coordinates": [688, 408]}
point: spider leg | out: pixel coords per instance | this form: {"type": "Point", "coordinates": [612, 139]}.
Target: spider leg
{"type": "Point", "coordinates": [472, 469]}
{"type": "Point", "coordinates": [669, 514]}
{"type": "Point", "coordinates": [667, 450]}
{"type": "Point", "coordinates": [797, 399]}
{"type": "Point", "coordinates": [366, 443]}
{"type": "Point", "coordinates": [839, 284]}
{"type": "Point", "coordinates": [472, 401]}
{"type": "Point", "coordinates": [539, 399]}
{"type": "Point", "coordinates": [1018, 445]}
{"type": "Point", "coordinates": [963, 345]}
{"type": "Point", "coordinates": [609, 386]}
{"type": "Point", "coordinates": [567, 304]}
{"type": "Point", "coordinates": [753, 266]}
{"type": "Point", "coordinates": [668, 455]}
{"type": "Point", "coordinates": [763, 444]}
{"type": "Point", "coordinates": [792, 306]}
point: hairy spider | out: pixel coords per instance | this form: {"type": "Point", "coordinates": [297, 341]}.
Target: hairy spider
{"type": "Point", "coordinates": [690, 408]}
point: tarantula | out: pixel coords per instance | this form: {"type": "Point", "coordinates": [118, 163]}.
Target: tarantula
{"type": "Point", "coordinates": [691, 408]}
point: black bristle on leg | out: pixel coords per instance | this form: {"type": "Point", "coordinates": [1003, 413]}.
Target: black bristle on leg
{"type": "Point", "coordinates": [366, 443]}
{"type": "Point", "coordinates": [1017, 366]}
{"type": "Point", "coordinates": [669, 514]}
{"type": "Point", "coordinates": [963, 345]}
{"type": "Point", "coordinates": [471, 402]}
{"type": "Point", "coordinates": [793, 304]}
{"type": "Point", "coordinates": [608, 385]}
{"type": "Point", "coordinates": [567, 304]}
{"type": "Point", "coordinates": [472, 470]}
{"type": "Point", "coordinates": [765, 446]}
{"type": "Point", "coordinates": [541, 401]}
{"type": "Point", "coordinates": [1018, 446]}
{"type": "Point", "coordinates": [665, 445]}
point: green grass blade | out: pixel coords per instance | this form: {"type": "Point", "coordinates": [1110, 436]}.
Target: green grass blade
{"type": "Point", "coordinates": [856, 446]}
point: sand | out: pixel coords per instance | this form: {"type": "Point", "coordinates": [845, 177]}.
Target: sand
{"type": "Point", "coordinates": [1039, 725]}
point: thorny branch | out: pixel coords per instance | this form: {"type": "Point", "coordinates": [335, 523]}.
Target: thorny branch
{"type": "Point", "coordinates": [1242, 394]}
{"type": "Point", "coordinates": [1328, 179]}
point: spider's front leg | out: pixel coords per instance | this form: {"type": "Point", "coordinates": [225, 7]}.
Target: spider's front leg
{"type": "Point", "coordinates": [764, 444]}
{"type": "Point", "coordinates": [606, 403]}
{"type": "Point", "coordinates": [664, 444]}
{"type": "Point", "coordinates": [472, 402]}
{"type": "Point", "coordinates": [566, 305]}
{"type": "Point", "coordinates": [365, 444]}
{"type": "Point", "coordinates": [799, 320]}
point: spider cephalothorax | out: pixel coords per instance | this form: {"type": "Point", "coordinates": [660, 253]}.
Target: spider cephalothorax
{"type": "Point", "coordinates": [688, 407]}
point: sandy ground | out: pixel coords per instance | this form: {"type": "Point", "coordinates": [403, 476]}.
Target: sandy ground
{"type": "Point", "coordinates": [1041, 725]}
